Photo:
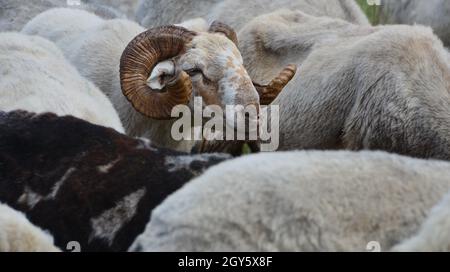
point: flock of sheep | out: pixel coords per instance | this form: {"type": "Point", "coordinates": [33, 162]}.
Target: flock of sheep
{"type": "Point", "coordinates": [87, 157]}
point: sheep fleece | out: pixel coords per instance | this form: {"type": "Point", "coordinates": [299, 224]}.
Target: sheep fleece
{"type": "Point", "coordinates": [357, 87]}
{"type": "Point", "coordinates": [17, 234]}
{"type": "Point", "coordinates": [299, 201]}
{"type": "Point", "coordinates": [84, 182]}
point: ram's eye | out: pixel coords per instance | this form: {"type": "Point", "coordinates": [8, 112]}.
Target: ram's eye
{"type": "Point", "coordinates": [164, 77]}
{"type": "Point", "coordinates": [195, 71]}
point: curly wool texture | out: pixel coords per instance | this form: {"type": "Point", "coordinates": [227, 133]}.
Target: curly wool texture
{"type": "Point", "coordinates": [17, 234]}
{"type": "Point", "coordinates": [37, 78]}
{"type": "Point", "coordinates": [299, 201]}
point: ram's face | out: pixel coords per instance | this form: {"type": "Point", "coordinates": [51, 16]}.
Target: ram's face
{"type": "Point", "coordinates": [217, 72]}
{"type": "Point", "coordinates": [167, 66]}
{"type": "Point", "coordinates": [215, 67]}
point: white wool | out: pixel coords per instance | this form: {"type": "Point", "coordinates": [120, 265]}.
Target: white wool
{"type": "Point", "coordinates": [434, 234]}
{"type": "Point", "coordinates": [357, 86]}
{"type": "Point", "coordinates": [17, 234]}
{"type": "Point", "coordinates": [37, 78]}
{"type": "Point", "coordinates": [300, 201]}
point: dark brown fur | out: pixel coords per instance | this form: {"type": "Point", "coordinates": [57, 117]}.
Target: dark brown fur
{"type": "Point", "coordinates": [36, 151]}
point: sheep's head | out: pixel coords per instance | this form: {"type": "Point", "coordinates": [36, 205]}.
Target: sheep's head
{"type": "Point", "coordinates": [166, 66]}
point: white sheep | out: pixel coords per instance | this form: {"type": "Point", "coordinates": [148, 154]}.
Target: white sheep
{"type": "Point", "coordinates": [147, 73]}
{"type": "Point", "coordinates": [237, 13]}
{"type": "Point", "coordinates": [434, 234]}
{"type": "Point", "coordinates": [299, 201]}
{"type": "Point", "coordinates": [37, 78]}
{"type": "Point", "coordinates": [17, 234]}
{"type": "Point", "coordinates": [358, 87]}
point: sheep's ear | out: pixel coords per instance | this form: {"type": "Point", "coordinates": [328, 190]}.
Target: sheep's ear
{"type": "Point", "coordinates": [228, 31]}
{"type": "Point", "coordinates": [161, 74]}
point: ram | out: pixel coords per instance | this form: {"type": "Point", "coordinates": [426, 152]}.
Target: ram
{"type": "Point", "coordinates": [37, 78]}
{"type": "Point", "coordinates": [430, 13]}
{"type": "Point", "coordinates": [359, 87]}
{"type": "Point", "coordinates": [17, 234]}
{"type": "Point", "coordinates": [299, 201]}
{"type": "Point", "coordinates": [237, 13]}
{"type": "Point", "coordinates": [95, 186]}
{"type": "Point", "coordinates": [147, 73]}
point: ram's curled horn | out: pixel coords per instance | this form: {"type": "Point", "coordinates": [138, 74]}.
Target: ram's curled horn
{"type": "Point", "coordinates": [141, 55]}
{"type": "Point", "coordinates": [268, 93]}
{"type": "Point", "coordinates": [225, 29]}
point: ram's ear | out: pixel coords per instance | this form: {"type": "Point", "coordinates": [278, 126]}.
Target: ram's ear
{"type": "Point", "coordinates": [161, 74]}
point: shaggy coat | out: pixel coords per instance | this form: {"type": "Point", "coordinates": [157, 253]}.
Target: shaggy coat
{"type": "Point", "coordinates": [84, 182]}
{"type": "Point", "coordinates": [357, 87]}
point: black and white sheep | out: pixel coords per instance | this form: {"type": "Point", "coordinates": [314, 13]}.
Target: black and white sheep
{"type": "Point", "coordinates": [87, 183]}
{"type": "Point", "coordinates": [300, 201]}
